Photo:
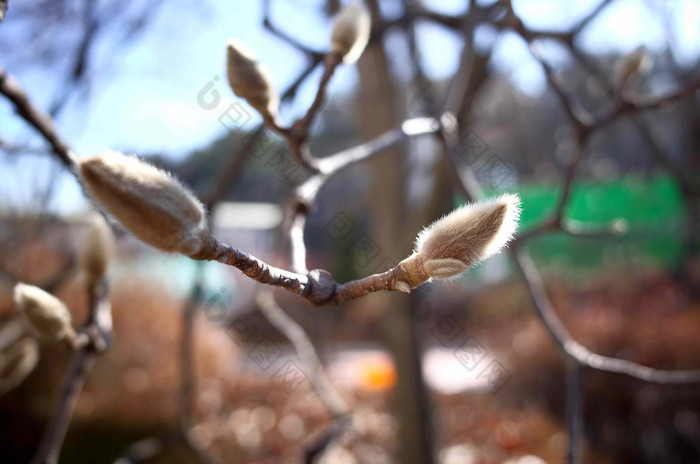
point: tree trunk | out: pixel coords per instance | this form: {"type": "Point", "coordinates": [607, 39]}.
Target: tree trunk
{"type": "Point", "coordinates": [378, 112]}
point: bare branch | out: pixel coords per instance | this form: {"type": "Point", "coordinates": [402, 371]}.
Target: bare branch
{"type": "Point", "coordinates": [307, 353]}
{"type": "Point", "coordinates": [328, 394]}
{"type": "Point", "coordinates": [574, 413]}
{"type": "Point", "coordinates": [578, 353]}
{"type": "Point", "coordinates": [11, 89]}
{"type": "Point", "coordinates": [98, 329]}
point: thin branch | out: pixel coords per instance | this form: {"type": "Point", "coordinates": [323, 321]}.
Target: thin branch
{"type": "Point", "coordinates": [187, 377]}
{"type": "Point", "coordinates": [647, 134]}
{"type": "Point", "coordinates": [55, 432]}
{"type": "Point", "coordinates": [98, 330]}
{"type": "Point", "coordinates": [312, 365]}
{"type": "Point", "coordinates": [80, 57]}
{"type": "Point", "coordinates": [576, 352]}
{"type": "Point", "coordinates": [13, 91]}
{"type": "Point", "coordinates": [590, 17]}
{"type": "Point", "coordinates": [14, 148]}
{"type": "Point", "coordinates": [321, 443]}
{"type": "Point", "coordinates": [574, 413]}
{"type": "Point", "coordinates": [267, 24]}
{"type": "Point", "coordinates": [299, 132]}
{"type": "Point", "coordinates": [277, 316]}
{"type": "Point", "coordinates": [626, 107]}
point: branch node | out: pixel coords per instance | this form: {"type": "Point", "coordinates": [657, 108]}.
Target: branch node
{"type": "Point", "coordinates": [321, 287]}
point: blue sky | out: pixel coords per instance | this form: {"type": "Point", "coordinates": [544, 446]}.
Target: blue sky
{"type": "Point", "coordinates": [144, 99]}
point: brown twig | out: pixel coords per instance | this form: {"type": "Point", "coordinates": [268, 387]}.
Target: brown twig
{"type": "Point", "coordinates": [50, 446]}
{"type": "Point", "coordinates": [268, 24]}
{"type": "Point", "coordinates": [277, 316]}
{"type": "Point", "coordinates": [98, 330]}
{"type": "Point", "coordinates": [576, 352]}
{"type": "Point", "coordinates": [574, 412]}
{"type": "Point", "coordinates": [13, 91]}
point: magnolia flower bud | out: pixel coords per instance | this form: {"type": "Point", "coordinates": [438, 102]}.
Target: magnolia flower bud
{"type": "Point", "coordinates": [16, 363]}
{"type": "Point", "coordinates": [351, 32]}
{"type": "Point", "coordinates": [153, 205]}
{"type": "Point", "coordinates": [44, 312]}
{"type": "Point", "coordinates": [467, 235]}
{"type": "Point", "coordinates": [97, 250]}
{"type": "Point", "coordinates": [250, 79]}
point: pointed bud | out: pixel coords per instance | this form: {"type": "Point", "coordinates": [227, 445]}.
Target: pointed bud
{"type": "Point", "coordinates": [250, 79]}
{"type": "Point", "coordinates": [150, 203]}
{"type": "Point", "coordinates": [467, 235]}
{"type": "Point", "coordinates": [17, 362]}
{"type": "Point", "coordinates": [97, 250]}
{"type": "Point", "coordinates": [402, 286]}
{"type": "Point", "coordinates": [351, 32]}
{"type": "Point", "coordinates": [627, 67]}
{"type": "Point", "coordinates": [44, 312]}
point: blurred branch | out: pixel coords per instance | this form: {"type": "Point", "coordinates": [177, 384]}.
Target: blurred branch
{"type": "Point", "coordinates": [645, 131]}
{"type": "Point", "coordinates": [81, 55]}
{"type": "Point", "coordinates": [51, 443]}
{"type": "Point", "coordinates": [274, 30]}
{"type": "Point", "coordinates": [306, 351]}
{"type": "Point", "coordinates": [577, 352]}
{"type": "Point", "coordinates": [14, 148]}
{"type": "Point", "coordinates": [298, 133]}
{"type": "Point", "coordinates": [312, 365]}
{"type": "Point", "coordinates": [574, 413]}
{"type": "Point", "coordinates": [11, 89]}
{"type": "Point", "coordinates": [590, 17]}
{"type": "Point", "coordinates": [97, 330]}
{"type": "Point", "coordinates": [626, 107]}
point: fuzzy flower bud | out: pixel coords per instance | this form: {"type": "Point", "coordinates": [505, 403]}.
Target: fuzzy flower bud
{"type": "Point", "coordinates": [44, 312]}
{"type": "Point", "coordinates": [150, 203]}
{"type": "Point", "coordinates": [467, 235]}
{"type": "Point", "coordinates": [351, 32]}
{"type": "Point", "coordinates": [97, 250]}
{"type": "Point", "coordinates": [250, 79]}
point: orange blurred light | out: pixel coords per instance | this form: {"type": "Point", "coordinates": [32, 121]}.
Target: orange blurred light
{"type": "Point", "coordinates": [378, 374]}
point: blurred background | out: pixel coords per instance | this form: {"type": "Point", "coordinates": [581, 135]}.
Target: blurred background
{"type": "Point", "coordinates": [458, 372]}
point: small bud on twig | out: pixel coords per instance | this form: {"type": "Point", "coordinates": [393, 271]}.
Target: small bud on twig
{"type": "Point", "coordinates": [351, 32]}
{"type": "Point", "coordinates": [97, 250]}
{"type": "Point", "coordinates": [635, 63]}
{"type": "Point", "coordinates": [467, 235]}
{"type": "Point", "coordinates": [44, 312]}
{"type": "Point", "coordinates": [250, 79]}
{"type": "Point", "coordinates": [153, 205]}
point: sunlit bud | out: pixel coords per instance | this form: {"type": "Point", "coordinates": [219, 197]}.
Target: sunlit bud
{"type": "Point", "coordinates": [150, 203]}
{"type": "Point", "coordinates": [47, 315]}
{"type": "Point", "coordinates": [402, 286]}
{"type": "Point", "coordinates": [97, 250]}
{"type": "Point", "coordinates": [17, 361]}
{"type": "Point", "coordinates": [637, 62]}
{"type": "Point", "coordinates": [351, 32]}
{"type": "Point", "coordinates": [250, 79]}
{"type": "Point", "coordinates": [467, 235]}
